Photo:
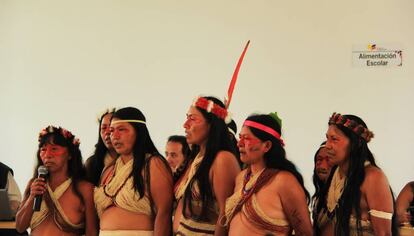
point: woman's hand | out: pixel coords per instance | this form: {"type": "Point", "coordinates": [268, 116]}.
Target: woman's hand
{"type": "Point", "coordinates": [38, 187]}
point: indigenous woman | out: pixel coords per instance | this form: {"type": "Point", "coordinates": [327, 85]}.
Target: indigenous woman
{"type": "Point", "coordinates": [136, 198]}
{"type": "Point", "coordinates": [321, 171]}
{"type": "Point", "coordinates": [67, 206]}
{"type": "Point", "coordinates": [209, 179]}
{"type": "Point", "coordinates": [269, 197]}
{"type": "Point", "coordinates": [359, 200]}
{"type": "Point", "coordinates": [405, 207]}
{"type": "Point", "coordinates": [97, 166]}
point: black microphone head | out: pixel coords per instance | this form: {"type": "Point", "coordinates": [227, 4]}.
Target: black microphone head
{"type": "Point", "coordinates": [42, 170]}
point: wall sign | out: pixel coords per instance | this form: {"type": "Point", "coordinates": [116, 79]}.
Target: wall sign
{"type": "Point", "coordinates": [376, 55]}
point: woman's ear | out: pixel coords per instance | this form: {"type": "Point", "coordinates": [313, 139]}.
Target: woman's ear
{"type": "Point", "coordinates": [267, 145]}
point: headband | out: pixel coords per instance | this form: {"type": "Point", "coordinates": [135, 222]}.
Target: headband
{"type": "Point", "coordinates": [129, 121]}
{"type": "Point", "coordinates": [211, 107]}
{"type": "Point", "coordinates": [106, 112]}
{"type": "Point", "coordinates": [264, 128]}
{"type": "Point", "coordinates": [232, 132]}
{"type": "Point", "coordinates": [358, 129]}
{"type": "Point", "coordinates": [64, 132]}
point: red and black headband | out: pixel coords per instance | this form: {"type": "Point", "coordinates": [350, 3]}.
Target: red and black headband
{"type": "Point", "coordinates": [354, 126]}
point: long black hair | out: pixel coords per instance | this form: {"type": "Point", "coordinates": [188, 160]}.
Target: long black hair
{"type": "Point", "coordinates": [319, 186]}
{"type": "Point", "coordinates": [276, 157]}
{"type": "Point", "coordinates": [232, 134]}
{"type": "Point", "coordinates": [317, 182]}
{"type": "Point", "coordinates": [185, 150]}
{"type": "Point", "coordinates": [218, 140]}
{"type": "Point", "coordinates": [143, 146]}
{"type": "Point", "coordinates": [95, 163]}
{"type": "Point", "coordinates": [350, 199]}
{"type": "Point", "coordinates": [62, 137]}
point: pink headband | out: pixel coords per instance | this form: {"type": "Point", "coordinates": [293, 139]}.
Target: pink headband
{"type": "Point", "coordinates": [264, 128]}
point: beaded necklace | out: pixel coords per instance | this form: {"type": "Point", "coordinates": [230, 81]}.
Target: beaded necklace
{"type": "Point", "coordinates": [119, 189]}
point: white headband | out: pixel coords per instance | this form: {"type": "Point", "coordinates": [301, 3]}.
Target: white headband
{"type": "Point", "coordinates": [131, 121]}
{"type": "Point", "coordinates": [232, 132]}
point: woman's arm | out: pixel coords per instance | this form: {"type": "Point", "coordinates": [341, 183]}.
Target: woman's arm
{"type": "Point", "coordinates": [403, 202]}
{"type": "Point", "coordinates": [24, 214]}
{"type": "Point", "coordinates": [378, 196]}
{"type": "Point", "coordinates": [224, 172]}
{"type": "Point", "coordinates": [294, 203]}
{"type": "Point", "coordinates": [91, 219]}
{"type": "Point", "coordinates": [161, 184]}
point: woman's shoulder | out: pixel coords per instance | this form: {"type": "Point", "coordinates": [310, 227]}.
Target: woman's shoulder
{"type": "Point", "coordinates": [412, 185]}
{"type": "Point", "coordinates": [375, 180]}
{"type": "Point", "coordinates": [408, 188]}
{"type": "Point", "coordinates": [85, 187]}
{"type": "Point", "coordinates": [156, 162]}
{"type": "Point", "coordinates": [91, 160]}
{"type": "Point", "coordinates": [155, 158]}
{"type": "Point", "coordinates": [373, 173]}
{"type": "Point", "coordinates": [225, 157]}
{"type": "Point", "coordinates": [225, 160]}
{"type": "Point", "coordinates": [284, 179]}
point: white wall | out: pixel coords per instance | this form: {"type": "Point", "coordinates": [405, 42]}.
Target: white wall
{"type": "Point", "coordinates": [63, 62]}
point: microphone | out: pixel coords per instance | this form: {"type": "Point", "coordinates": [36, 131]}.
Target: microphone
{"type": "Point", "coordinates": [41, 173]}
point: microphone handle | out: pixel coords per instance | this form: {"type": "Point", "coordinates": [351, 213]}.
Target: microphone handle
{"type": "Point", "coordinates": [38, 198]}
{"type": "Point", "coordinates": [37, 203]}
